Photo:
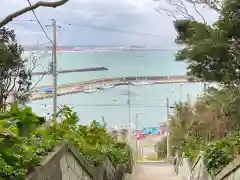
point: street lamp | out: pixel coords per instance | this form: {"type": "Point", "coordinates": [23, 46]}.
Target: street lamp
{"type": "Point", "coordinates": [168, 132]}
{"type": "Point", "coordinates": [181, 92]}
{"type": "Point", "coordinates": [129, 94]}
{"type": "Point", "coordinates": [136, 142]}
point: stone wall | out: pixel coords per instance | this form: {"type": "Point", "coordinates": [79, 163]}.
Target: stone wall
{"type": "Point", "coordinates": [189, 170]}
{"type": "Point", "coordinates": [63, 164]}
{"type": "Point", "coordinates": [183, 169]}
{"type": "Point", "coordinates": [67, 163]}
{"type": "Point", "coordinates": [72, 169]}
{"type": "Point", "coordinates": [231, 171]}
{"type": "Point", "coordinates": [197, 171]}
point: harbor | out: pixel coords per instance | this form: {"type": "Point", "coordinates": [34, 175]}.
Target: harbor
{"type": "Point", "coordinates": [45, 91]}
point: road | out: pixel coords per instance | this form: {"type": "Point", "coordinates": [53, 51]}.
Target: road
{"type": "Point", "coordinates": [144, 147]}
{"type": "Point", "coordinates": [153, 171]}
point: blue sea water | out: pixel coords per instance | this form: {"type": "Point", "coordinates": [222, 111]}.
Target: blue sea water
{"type": "Point", "coordinates": [149, 101]}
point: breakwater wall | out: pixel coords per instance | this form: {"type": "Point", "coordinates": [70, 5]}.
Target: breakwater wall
{"type": "Point", "coordinates": [120, 80]}
{"type": "Point", "coordinates": [80, 86]}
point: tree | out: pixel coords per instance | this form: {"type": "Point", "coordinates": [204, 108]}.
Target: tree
{"type": "Point", "coordinates": [15, 78]}
{"type": "Point", "coordinates": [211, 51]}
{"type": "Point", "coordinates": [180, 124]}
{"type": "Point", "coordinates": [212, 117]}
{"type": "Point", "coordinates": [178, 8]}
{"type": "Point", "coordinates": [20, 12]}
{"type": "Point", "coordinates": [161, 148]}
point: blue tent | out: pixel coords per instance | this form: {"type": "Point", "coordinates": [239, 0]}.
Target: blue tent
{"type": "Point", "coordinates": [48, 90]}
{"type": "Point", "coordinates": [155, 130]}
{"type": "Point", "coordinates": [151, 130]}
{"type": "Point", "coordinates": [100, 124]}
{"type": "Point", "coordinates": [146, 131]}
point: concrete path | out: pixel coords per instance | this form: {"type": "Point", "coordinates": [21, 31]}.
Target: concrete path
{"type": "Point", "coordinates": [153, 171]}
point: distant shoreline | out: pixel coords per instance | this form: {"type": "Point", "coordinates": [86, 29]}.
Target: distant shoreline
{"type": "Point", "coordinates": [101, 50]}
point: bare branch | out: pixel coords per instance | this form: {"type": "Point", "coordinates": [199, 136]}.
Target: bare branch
{"type": "Point", "coordinates": [180, 10]}
{"type": "Point", "coordinates": [14, 82]}
{"type": "Point", "coordinates": [213, 4]}
{"type": "Point", "coordinates": [180, 6]}
{"type": "Point", "coordinates": [166, 12]}
{"type": "Point", "coordinates": [10, 17]}
{"type": "Point", "coordinates": [195, 7]}
{"type": "Point", "coordinates": [30, 72]}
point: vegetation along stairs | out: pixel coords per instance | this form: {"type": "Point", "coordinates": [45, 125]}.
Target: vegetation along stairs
{"type": "Point", "coordinates": [65, 163]}
{"type": "Point", "coordinates": [35, 149]}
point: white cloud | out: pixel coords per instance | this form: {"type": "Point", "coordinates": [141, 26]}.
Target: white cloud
{"type": "Point", "coordinates": [130, 15]}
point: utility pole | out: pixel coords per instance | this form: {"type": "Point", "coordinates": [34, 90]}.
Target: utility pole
{"type": "Point", "coordinates": [204, 88]}
{"type": "Point", "coordinates": [129, 111]}
{"type": "Point", "coordinates": [136, 155]}
{"type": "Point", "coordinates": [54, 67]}
{"type": "Point", "coordinates": [181, 92]}
{"type": "Point", "coordinates": [129, 106]}
{"type": "Point", "coordinates": [168, 143]}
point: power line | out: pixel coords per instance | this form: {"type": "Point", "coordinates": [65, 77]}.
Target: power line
{"type": "Point", "coordinates": [118, 30]}
{"type": "Point", "coordinates": [40, 23]}
{"type": "Point", "coordinates": [23, 20]}
{"type": "Point", "coordinates": [108, 29]}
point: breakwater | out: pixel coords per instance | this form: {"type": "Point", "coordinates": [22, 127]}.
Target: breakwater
{"type": "Point", "coordinates": [70, 71]}
{"type": "Point", "coordinates": [122, 81]}
{"type": "Point", "coordinates": [79, 87]}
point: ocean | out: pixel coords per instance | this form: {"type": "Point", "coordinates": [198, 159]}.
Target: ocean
{"type": "Point", "coordinates": [149, 101]}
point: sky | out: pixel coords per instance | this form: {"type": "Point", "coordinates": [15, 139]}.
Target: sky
{"type": "Point", "coordinates": [138, 16]}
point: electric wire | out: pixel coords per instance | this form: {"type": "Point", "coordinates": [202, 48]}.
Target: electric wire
{"type": "Point", "coordinates": [117, 30]}
{"type": "Point", "coordinates": [40, 23]}
{"type": "Point", "coordinates": [108, 29]}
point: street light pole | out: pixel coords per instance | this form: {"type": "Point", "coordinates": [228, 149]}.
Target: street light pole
{"type": "Point", "coordinates": [168, 143]}
{"type": "Point", "coordinates": [129, 112]}
{"type": "Point", "coordinates": [136, 122]}
{"type": "Point", "coordinates": [205, 88]}
{"type": "Point", "coordinates": [54, 66]}
{"type": "Point", "coordinates": [181, 92]}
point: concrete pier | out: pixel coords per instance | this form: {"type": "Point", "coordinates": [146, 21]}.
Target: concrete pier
{"type": "Point", "coordinates": [77, 87]}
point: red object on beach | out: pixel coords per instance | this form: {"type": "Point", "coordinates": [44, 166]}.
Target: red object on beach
{"type": "Point", "coordinates": [139, 135]}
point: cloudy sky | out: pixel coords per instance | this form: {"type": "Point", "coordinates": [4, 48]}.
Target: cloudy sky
{"type": "Point", "coordinates": [86, 16]}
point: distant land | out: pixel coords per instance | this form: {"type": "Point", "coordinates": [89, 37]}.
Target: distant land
{"type": "Point", "coordinates": [96, 48]}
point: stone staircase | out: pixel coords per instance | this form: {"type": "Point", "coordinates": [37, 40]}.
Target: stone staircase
{"type": "Point", "coordinates": [153, 171]}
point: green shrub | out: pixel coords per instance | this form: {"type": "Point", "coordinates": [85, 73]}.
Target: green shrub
{"type": "Point", "coordinates": [25, 138]}
{"type": "Point", "coordinates": [218, 155]}
{"type": "Point", "coordinates": [152, 157]}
